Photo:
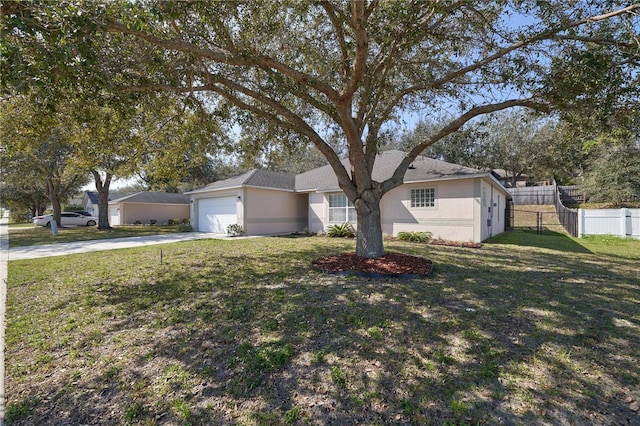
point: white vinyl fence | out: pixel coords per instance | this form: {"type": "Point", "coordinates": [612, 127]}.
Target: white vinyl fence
{"type": "Point", "coordinates": [620, 222]}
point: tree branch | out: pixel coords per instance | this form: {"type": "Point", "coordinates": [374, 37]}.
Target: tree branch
{"type": "Point", "coordinates": [306, 97]}
{"type": "Point", "coordinates": [545, 35]}
{"type": "Point", "coordinates": [362, 48]}
{"type": "Point", "coordinates": [225, 57]}
{"type": "Point", "coordinates": [398, 175]}
{"type": "Point", "coordinates": [339, 35]}
{"type": "Point", "coordinates": [292, 122]}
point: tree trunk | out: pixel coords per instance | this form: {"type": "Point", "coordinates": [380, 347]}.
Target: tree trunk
{"type": "Point", "coordinates": [103, 199]}
{"type": "Point", "coordinates": [103, 209]}
{"type": "Point", "coordinates": [53, 189]}
{"type": "Point", "coordinates": [369, 236]}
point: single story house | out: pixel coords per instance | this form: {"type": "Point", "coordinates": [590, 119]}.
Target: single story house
{"type": "Point", "coordinates": [148, 207]}
{"type": "Point", "coordinates": [127, 208]}
{"type": "Point", "coordinates": [451, 202]}
{"type": "Point", "coordinates": [90, 200]}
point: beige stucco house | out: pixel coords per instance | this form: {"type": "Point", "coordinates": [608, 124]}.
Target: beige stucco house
{"type": "Point", "coordinates": [145, 207]}
{"type": "Point", "coordinates": [451, 202]}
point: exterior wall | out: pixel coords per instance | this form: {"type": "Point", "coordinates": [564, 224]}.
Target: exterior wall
{"type": "Point", "coordinates": [145, 212]}
{"type": "Point", "coordinates": [238, 193]}
{"type": "Point", "coordinates": [492, 205]}
{"type": "Point", "coordinates": [318, 212]}
{"type": "Point", "coordinates": [91, 208]}
{"type": "Point", "coordinates": [452, 217]}
{"type": "Point", "coordinates": [462, 210]}
{"type": "Point", "coordinates": [271, 212]}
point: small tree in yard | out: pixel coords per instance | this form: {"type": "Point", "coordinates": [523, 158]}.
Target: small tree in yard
{"type": "Point", "coordinates": [38, 145]}
{"type": "Point", "coordinates": [351, 69]}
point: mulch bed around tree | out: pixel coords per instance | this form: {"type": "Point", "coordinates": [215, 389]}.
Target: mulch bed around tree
{"type": "Point", "coordinates": [391, 264]}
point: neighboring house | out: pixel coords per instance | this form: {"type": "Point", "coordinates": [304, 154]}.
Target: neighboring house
{"type": "Point", "coordinates": [450, 201]}
{"type": "Point", "coordinates": [148, 207]}
{"type": "Point", "coordinates": [90, 200]}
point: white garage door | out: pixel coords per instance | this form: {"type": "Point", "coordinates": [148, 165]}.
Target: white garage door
{"type": "Point", "coordinates": [215, 214]}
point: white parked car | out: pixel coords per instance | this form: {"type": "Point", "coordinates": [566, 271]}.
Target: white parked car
{"type": "Point", "coordinates": [67, 219]}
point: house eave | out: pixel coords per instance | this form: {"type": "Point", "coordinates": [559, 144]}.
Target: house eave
{"type": "Point", "coordinates": [147, 202]}
{"type": "Point", "coordinates": [269, 188]}
{"type": "Point", "coordinates": [227, 188]}
{"type": "Point", "coordinates": [204, 191]}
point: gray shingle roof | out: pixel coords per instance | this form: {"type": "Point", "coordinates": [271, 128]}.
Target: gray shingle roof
{"type": "Point", "coordinates": [257, 178]}
{"type": "Point", "coordinates": [153, 198]}
{"type": "Point", "coordinates": [423, 169]}
{"type": "Point", "coordinates": [324, 179]}
{"type": "Point", "coordinates": [93, 196]}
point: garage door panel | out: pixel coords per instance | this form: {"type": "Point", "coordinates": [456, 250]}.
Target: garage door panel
{"type": "Point", "coordinates": [215, 214]}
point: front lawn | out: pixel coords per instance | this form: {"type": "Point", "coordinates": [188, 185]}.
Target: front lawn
{"type": "Point", "coordinates": [246, 332]}
{"type": "Point", "coordinates": [30, 235]}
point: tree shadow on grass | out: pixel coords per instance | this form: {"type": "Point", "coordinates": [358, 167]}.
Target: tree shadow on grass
{"type": "Point", "coordinates": [547, 240]}
{"type": "Point", "coordinates": [222, 334]}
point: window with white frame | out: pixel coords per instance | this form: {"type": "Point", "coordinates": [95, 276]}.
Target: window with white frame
{"type": "Point", "coordinates": [423, 197]}
{"type": "Point", "coordinates": [341, 210]}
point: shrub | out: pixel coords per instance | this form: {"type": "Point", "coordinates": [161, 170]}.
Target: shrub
{"type": "Point", "coordinates": [235, 229]}
{"type": "Point", "coordinates": [173, 221]}
{"type": "Point", "coordinates": [184, 227]}
{"type": "Point", "coordinates": [186, 221]}
{"type": "Point", "coordinates": [344, 230]}
{"type": "Point", "coordinates": [153, 222]}
{"type": "Point", "coordinates": [414, 236]}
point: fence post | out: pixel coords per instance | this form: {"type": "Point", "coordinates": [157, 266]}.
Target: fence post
{"type": "Point", "coordinates": [623, 223]}
{"type": "Point", "coordinates": [580, 222]}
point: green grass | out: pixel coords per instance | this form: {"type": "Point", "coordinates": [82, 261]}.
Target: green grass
{"type": "Point", "coordinates": [529, 329]}
{"type": "Point", "coordinates": [30, 235]}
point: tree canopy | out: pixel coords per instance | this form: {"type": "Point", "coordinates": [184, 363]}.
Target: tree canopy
{"type": "Point", "coordinates": [351, 69]}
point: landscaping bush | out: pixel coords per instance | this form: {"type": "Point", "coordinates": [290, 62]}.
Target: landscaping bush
{"type": "Point", "coordinates": [235, 230]}
{"type": "Point", "coordinates": [184, 227]}
{"type": "Point", "coordinates": [173, 222]}
{"type": "Point", "coordinates": [414, 236]}
{"type": "Point", "coordinates": [344, 230]}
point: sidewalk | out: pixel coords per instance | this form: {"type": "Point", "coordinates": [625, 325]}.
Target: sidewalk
{"type": "Point", "coordinates": [4, 255]}
{"type": "Point", "coordinates": [61, 249]}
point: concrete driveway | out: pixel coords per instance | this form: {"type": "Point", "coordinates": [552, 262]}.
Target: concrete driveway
{"type": "Point", "coordinates": [61, 249]}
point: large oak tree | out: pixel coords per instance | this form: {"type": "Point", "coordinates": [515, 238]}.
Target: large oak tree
{"type": "Point", "coordinates": [352, 69]}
